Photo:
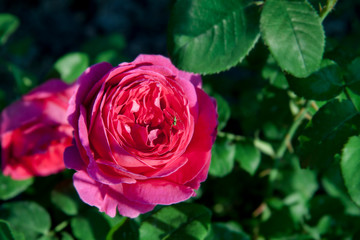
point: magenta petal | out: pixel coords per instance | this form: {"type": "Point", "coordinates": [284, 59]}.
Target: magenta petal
{"type": "Point", "coordinates": [195, 182]}
{"type": "Point", "coordinates": [89, 190]}
{"type": "Point", "coordinates": [199, 149]}
{"type": "Point", "coordinates": [46, 90]}
{"type": "Point", "coordinates": [156, 60]}
{"type": "Point", "coordinates": [11, 119]}
{"type": "Point", "coordinates": [83, 133]}
{"type": "Point", "coordinates": [169, 168]}
{"type": "Point", "coordinates": [192, 170]}
{"type": "Point", "coordinates": [107, 198]}
{"type": "Point", "coordinates": [73, 159]}
{"type": "Point", "coordinates": [157, 191]}
{"type": "Point", "coordinates": [195, 79]}
{"type": "Point", "coordinates": [86, 81]}
{"type": "Point", "coordinates": [106, 178]}
{"type": "Point", "coordinates": [126, 207]}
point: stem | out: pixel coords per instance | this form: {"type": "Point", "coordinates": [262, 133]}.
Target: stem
{"type": "Point", "coordinates": [263, 146]}
{"type": "Point", "coordinates": [112, 231]}
{"type": "Point", "coordinates": [350, 98]}
{"type": "Point", "coordinates": [290, 134]}
{"type": "Point", "coordinates": [330, 4]}
{"type": "Point", "coordinates": [231, 136]}
{"type": "Point", "coordinates": [61, 226]}
{"type": "Point", "coordinates": [286, 142]}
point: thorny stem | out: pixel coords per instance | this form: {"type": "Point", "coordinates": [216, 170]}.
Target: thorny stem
{"type": "Point", "coordinates": [324, 11]}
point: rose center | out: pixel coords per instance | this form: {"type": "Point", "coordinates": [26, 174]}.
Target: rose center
{"type": "Point", "coordinates": [150, 118]}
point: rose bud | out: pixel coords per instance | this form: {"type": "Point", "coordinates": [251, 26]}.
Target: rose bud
{"type": "Point", "coordinates": [35, 132]}
{"type": "Point", "coordinates": [143, 135]}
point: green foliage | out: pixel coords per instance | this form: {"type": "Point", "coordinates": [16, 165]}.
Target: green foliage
{"type": "Point", "coordinates": [328, 131]}
{"type": "Point", "coordinates": [273, 72]}
{"type": "Point", "coordinates": [353, 76]}
{"type": "Point", "coordinates": [8, 24]}
{"type": "Point", "coordinates": [248, 156]}
{"type": "Point", "coordinates": [209, 36]}
{"type": "Point", "coordinates": [24, 81]}
{"type": "Point", "coordinates": [91, 225]}
{"type": "Point", "coordinates": [6, 231]}
{"type": "Point", "coordinates": [26, 218]}
{"type": "Point", "coordinates": [71, 65]}
{"type": "Point", "coordinates": [125, 229]}
{"type": "Point", "coordinates": [65, 198]}
{"type": "Point", "coordinates": [350, 165]}
{"type": "Point", "coordinates": [181, 221]}
{"type": "Point", "coordinates": [106, 48]}
{"type": "Point", "coordinates": [223, 109]}
{"type": "Point", "coordinates": [10, 188]}
{"type": "Point", "coordinates": [223, 157]}
{"type": "Point", "coordinates": [294, 34]}
{"type": "Point", "coordinates": [229, 231]}
{"type": "Point", "coordinates": [324, 84]}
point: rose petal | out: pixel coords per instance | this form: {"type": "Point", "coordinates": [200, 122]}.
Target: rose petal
{"type": "Point", "coordinates": [106, 177]}
{"type": "Point", "coordinates": [11, 119]}
{"type": "Point", "coordinates": [83, 133]}
{"type": "Point", "coordinates": [107, 198]}
{"type": "Point", "coordinates": [186, 80]}
{"type": "Point", "coordinates": [199, 150]}
{"type": "Point", "coordinates": [73, 159]}
{"type": "Point", "coordinates": [157, 191]}
{"type": "Point", "coordinates": [86, 82]}
{"type": "Point", "coordinates": [47, 90]}
{"type": "Point", "coordinates": [169, 168]}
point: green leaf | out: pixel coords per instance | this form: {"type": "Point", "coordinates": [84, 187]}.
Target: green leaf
{"type": "Point", "coordinates": [5, 231]}
{"type": "Point", "coordinates": [273, 73]}
{"type": "Point", "coordinates": [125, 229]}
{"type": "Point", "coordinates": [248, 156]}
{"type": "Point", "coordinates": [65, 198]}
{"type": "Point", "coordinates": [294, 180]}
{"type": "Point", "coordinates": [24, 81]}
{"type": "Point", "coordinates": [10, 188]}
{"type": "Point", "coordinates": [228, 231]}
{"type": "Point", "coordinates": [222, 159]}
{"type": "Point", "coordinates": [66, 236]}
{"type": "Point", "coordinates": [91, 225]}
{"type": "Point", "coordinates": [181, 221]}
{"type": "Point", "coordinates": [106, 48]}
{"type": "Point", "coordinates": [324, 84]}
{"type": "Point", "coordinates": [223, 111]}
{"type": "Point", "coordinates": [8, 24]}
{"type": "Point", "coordinates": [333, 184]}
{"type": "Point", "coordinates": [327, 132]}
{"type": "Point", "coordinates": [353, 76]}
{"type": "Point", "coordinates": [350, 165]}
{"type": "Point", "coordinates": [294, 34]}
{"type": "Point", "coordinates": [280, 222]}
{"type": "Point", "coordinates": [71, 65]}
{"type": "Point", "coordinates": [28, 218]}
{"type": "Point", "coordinates": [210, 36]}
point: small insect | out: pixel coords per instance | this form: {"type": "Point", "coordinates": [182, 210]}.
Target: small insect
{"type": "Point", "coordinates": [175, 121]}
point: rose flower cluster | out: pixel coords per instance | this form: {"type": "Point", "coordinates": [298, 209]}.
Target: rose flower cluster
{"type": "Point", "coordinates": [137, 135]}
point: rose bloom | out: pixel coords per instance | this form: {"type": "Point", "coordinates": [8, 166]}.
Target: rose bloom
{"type": "Point", "coordinates": [35, 132]}
{"type": "Point", "coordinates": [143, 135]}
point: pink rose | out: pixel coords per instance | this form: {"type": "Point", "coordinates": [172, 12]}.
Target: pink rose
{"type": "Point", "coordinates": [35, 132]}
{"type": "Point", "coordinates": [143, 135]}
